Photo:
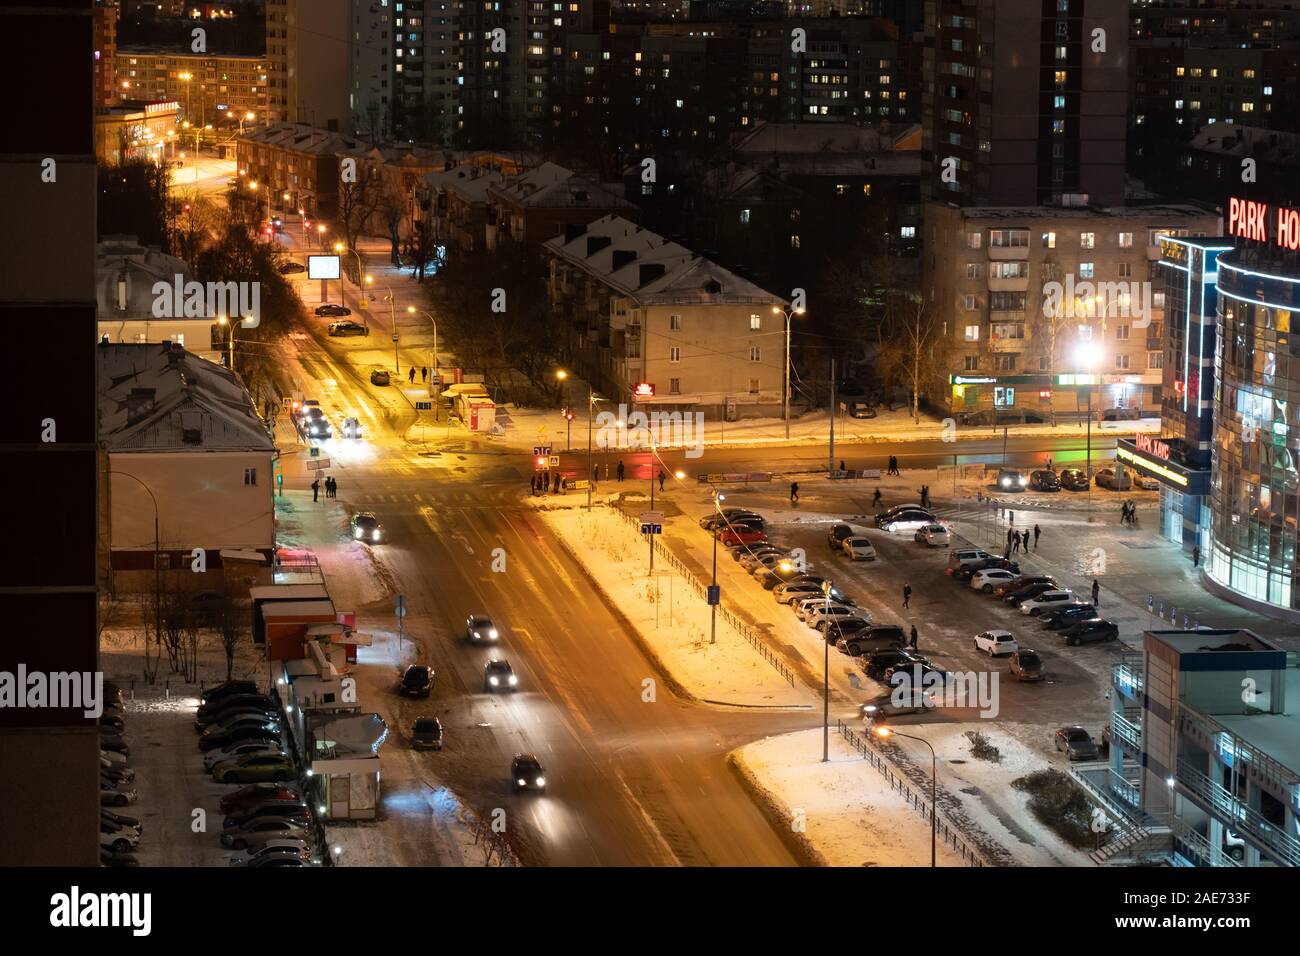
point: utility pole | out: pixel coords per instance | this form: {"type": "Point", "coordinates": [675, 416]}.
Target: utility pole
{"type": "Point", "coordinates": [830, 461]}
{"type": "Point", "coordinates": [590, 401]}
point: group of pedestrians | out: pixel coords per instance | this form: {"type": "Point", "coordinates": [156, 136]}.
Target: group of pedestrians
{"type": "Point", "coordinates": [1019, 540]}
{"type": "Point", "coordinates": [1128, 514]}
{"type": "Point", "coordinates": [424, 374]}
{"type": "Point", "coordinates": [331, 489]}
{"type": "Point", "coordinates": [544, 481]}
{"type": "Point", "coordinates": [893, 466]}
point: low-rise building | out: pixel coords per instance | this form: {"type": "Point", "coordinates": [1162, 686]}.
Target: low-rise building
{"type": "Point", "coordinates": [653, 323]}
{"type": "Point", "coordinates": [296, 159]}
{"type": "Point", "coordinates": [540, 203]}
{"type": "Point", "coordinates": [1204, 760]}
{"type": "Point", "coordinates": [1050, 311]}
{"type": "Point", "coordinates": [186, 470]}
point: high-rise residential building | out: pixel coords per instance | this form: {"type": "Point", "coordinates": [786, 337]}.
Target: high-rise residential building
{"type": "Point", "coordinates": [211, 89]}
{"type": "Point", "coordinates": [106, 12]}
{"type": "Point", "coordinates": [307, 55]}
{"type": "Point", "coordinates": [1025, 101]}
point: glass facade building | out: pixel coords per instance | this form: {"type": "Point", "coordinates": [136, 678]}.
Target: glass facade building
{"type": "Point", "coordinates": [1255, 488]}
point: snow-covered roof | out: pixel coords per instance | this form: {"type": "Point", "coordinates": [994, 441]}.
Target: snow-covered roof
{"type": "Point", "coordinates": [471, 183]}
{"type": "Point", "coordinates": [158, 397]}
{"type": "Point", "coordinates": [302, 138]}
{"type": "Point", "coordinates": [353, 734]}
{"type": "Point", "coordinates": [123, 257]}
{"type": "Point", "coordinates": [550, 186]}
{"type": "Point", "coordinates": [649, 269]}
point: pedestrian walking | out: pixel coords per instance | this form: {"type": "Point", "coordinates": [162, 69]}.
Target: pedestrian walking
{"type": "Point", "coordinates": [876, 499]}
{"type": "Point", "coordinates": [1123, 513]}
{"type": "Point", "coordinates": [913, 640]}
{"type": "Point", "coordinates": [794, 492]}
{"type": "Point", "coordinates": [1037, 532]}
{"type": "Point", "coordinates": [1196, 555]}
{"type": "Point", "coordinates": [661, 479]}
{"type": "Point", "coordinates": [424, 373]}
{"type": "Point", "coordinates": [1096, 593]}
{"type": "Point", "coordinates": [620, 471]}
{"type": "Point", "coordinates": [1015, 543]}
{"type": "Point", "coordinates": [411, 374]}
{"type": "Point", "coordinates": [315, 490]}
{"type": "Point", "coordinates": [558, 478]}
{"type": "Point", "coordinates": [907, 595]}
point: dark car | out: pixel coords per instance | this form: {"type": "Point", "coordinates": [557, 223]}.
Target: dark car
{"type": "Point", "coordinates": [779, 575]}
{"type": "Point", "coordinates": [890, 512]}
{"type": "Point", "coordinates": [380, 376]}
{"type": "Point", "coordinates": [266, 710]}
{"type": "Point", "coordinates": [499, 675]}
{"type": "Point", "coordinates": [1044, 480]}
{"type": "Point", "coordinates": [1026, 665]}
{"type": "Point", "coordinates": [841, 628]}
{"type": "Point", "coordinates": [970, 570]}
{"type": "Point", "coordinates": [526, 773]}
{"type": "Point", "coordinates": [417, 681]}
{"type": "Point", "coordinates": [1076, 743]}
{"type": "Point", "coordinates": [880, 660]}
{"type": "Point", "coordinates": [257, 793]}
{"type": "Point", "coordinates": [366, 527]}
{"type": "Point", "coordinates": [285, 809]}
{"type": "Point", "coordinates": [1010, 587]}
{"type": "Point", "coordinates": [1001, 416]}
{"type": "Point", "coordinates": [752, 522]}
{"type": "Point", "coordinates": [479, 628]}
{"type": "Point", "coordinates": [1074, 479]}
{"type": "Point", "coordinates": [208, 711]}
{"type": "Point", "coordinates": [873, 637]}
{"type": "Point", "coordinates": [347, 327]}
{"type": "Point", "coordinates": [290, 267]}
{"type": "Point", "coordinates": [711, 521]}
{"type": "Point", "coordinates": [1090, 632]}
{"type": "Point", "coordinates": [1016, 598]}
{"type": "Point", "coordinates": [427, 733]}
{"type": "Point", "coordinates": [1063, 617]}
{"type": "Point", "coordinates": [329, 309]}
{"type": "Point", "coordinates": [835, 537]}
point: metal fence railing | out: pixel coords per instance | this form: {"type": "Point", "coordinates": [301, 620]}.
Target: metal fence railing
{"type": "Point", "coordinates": [943, 829]}
{"type": "Point", "coordinates": [702, 589]}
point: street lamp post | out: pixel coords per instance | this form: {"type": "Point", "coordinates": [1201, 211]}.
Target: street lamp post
{"type": "Point", "coordinates": [222, 320]}
{"type": "Point", "coordinates": [718, 498]}
{"type": "Point", "coordinates": [785, 391]}
{"type": "Point", "coordinates": [886, 732]}
{"type": "Point", "coordinates": [1087, 356]}
{"type": "Point", "coordinates": [392, 317]}
{"type": "Point", "coordinates": [826, 678]}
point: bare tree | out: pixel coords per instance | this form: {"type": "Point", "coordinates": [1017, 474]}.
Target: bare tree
{"type": "Point", "coordinates": [231, 621]}
{"type": "Point", "coordinates": [911, 351]}
{"type": "Point", "coordinates": [359, 200]}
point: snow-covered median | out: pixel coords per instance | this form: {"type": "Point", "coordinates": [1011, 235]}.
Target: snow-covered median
{"type": "Point", "coordinates": [671, 619]}
{"type": "Point", "coordinates": [843, 810]}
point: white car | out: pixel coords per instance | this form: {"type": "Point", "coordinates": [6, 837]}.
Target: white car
{"type": "Point", "coordinates": [990, 578]}
{"type": "Point", "coordinates": [218, 754]}
{"type": "Point", "coordinates": [859, 548]}
{"type": "Point", "coordinates": [934, 535]}
{"type": "Point", "coordinates": [1048, 600]}
{"type": "Point", "coordinates": [907, 521]}
{"type": "Point", "coordinates": [295, 847]}
{"type": "Point", "coordinates": [818, 616]}
{"type": "Point", "coordinates": [994, 643]}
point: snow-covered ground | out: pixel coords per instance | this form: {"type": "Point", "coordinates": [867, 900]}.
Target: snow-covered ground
{"type": "Point", "coordinates": [671, 619]}
{"type": "Point", "coordinates": [843, 811]}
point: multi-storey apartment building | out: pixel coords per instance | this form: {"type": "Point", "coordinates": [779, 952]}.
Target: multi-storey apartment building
{"type": "Point", "coordinates": [1044, 309]}
{"type": "Point", "coordinates": [307, 47]}
{"type": "Point", "coordinates": [654, 324]}
{"type": "Point", "coordinates": [295, 159]}
{"type": "Point", "coordinates": [1201, 81]}
{"type": "Point", "coordinates": [1025, 101]}
{"type": "Point", "coordinates": [207, 87]}
{"type": "Point", "coordinates": [1204, 760]}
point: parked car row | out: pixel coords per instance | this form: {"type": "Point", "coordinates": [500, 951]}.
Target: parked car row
{"type": "Point", "coordinates": [119, 835]}
{"type": "Point", "coordinates": [267, 821]}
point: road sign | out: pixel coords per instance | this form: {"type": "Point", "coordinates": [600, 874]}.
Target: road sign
{"type": "Point", "coordinates": [424, 406]}
{"type": "Point", "coordinates": [555, 461]}
{"type": "Point", "coordinates": [315, 451]}
{"type": "Point", "coordinates": [652, 529]}
{"type": "Point", "coordinates": [400, 605]}
{"type": "Point", "coordinates": [540, 450]}
{"type": "Point", "coordinates": [394, 336]}
{"type": "Point", "coordinates": [318, 464]}
{"type": "Point", "coordinates": [652, 517]}
{"type": "Point", "coordinates": [715, 594]}
{"type": "Point", "coordinates": [579, 485]}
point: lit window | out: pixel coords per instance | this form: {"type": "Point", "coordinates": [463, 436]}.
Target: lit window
{"type": "Point", "coordinates": [972, 333]}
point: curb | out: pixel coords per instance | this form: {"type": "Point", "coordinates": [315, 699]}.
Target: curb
{"type": "Point", "coordinates": [762, 798]}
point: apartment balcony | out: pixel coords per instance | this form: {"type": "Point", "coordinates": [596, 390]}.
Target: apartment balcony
{"type": "Point", "coordinates": [1007, 345]}
{"type": "Point", "coordinates": [1195, 848]}
{"type": "Point", "coordinates": [1270, 839]}
{"type": "Point", "coordinates": [1275, 777]}
{"type": "Point", "coordinates": [1126, 676]}
{"type": "Point", "coordinates": [1009, 253]}
{"type": "Point", "coordinates": [998, 316]}
{"type": "Point", "coordinates": [1126, 731]}
{"type": "Point", "coordinates": [1017, 284]}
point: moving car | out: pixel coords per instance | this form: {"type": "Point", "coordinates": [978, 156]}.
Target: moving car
{"type": "Point", "coordinates": [883, 659]}
{"type": "Point", "coordinates": [1072, 613]}
{"type": "Point", "coordinates": [1076, 743]}
{"type": "Point", "coordinates": [1047, 600]}
{"type": "Point", "coordinates": [859, 548]}
{"type": "Point", "coordinates": [986, 580]}
{"type": "Point", "coordinates": [427, 733]}
{"type": "Point", "coordinates": [837, 536]}
{"type": "Point", "coordinates": [889, 513]}
{"type": "Point", "coordinates": [499, 675]}
{"type": "Point", "coordinates": [1011, 479]}
{"type": "Point", "coordinates": [290, 267]}
{"type": "Point", "coordinates": [379, 376]}
{"type": "Point", "coordinates": [479, 627]}
{"type": "Point", "coordinates": [366, 527]}
{"type": "Point", "coordinates": [1074, 479]}
{"type": "Point", "coordinates": [934, 536]}
{"type": "Point", "coordinates": [351, 428]}
{"type": "Point", "coordinates": [1108, 478]}
{"type": "Point", "coordinates": [347, 327]}
{"type": "Point", "coordinates": [908, 520]}
{"type": "Point", "coordinates": [1044, 480]}
{"type": "Point", "coordinates": [248, 768]}
{"type": "Point", "coordinates": [329, 309]}
{"type": "Point", "coordinates": [1026, 665]}
{"type": "Point", "coordinates": [1090, 632]}
{"type": "Point", "coordinates": [417, 681]}
{"type": "Point", "coordinates": [526, 773]}
{"type": "Point", "coordinates": [996, 643]}
{"type": "Point", "coordinates": [912, 700]}
{"type": "Point", "coordinates": [315, 424]}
